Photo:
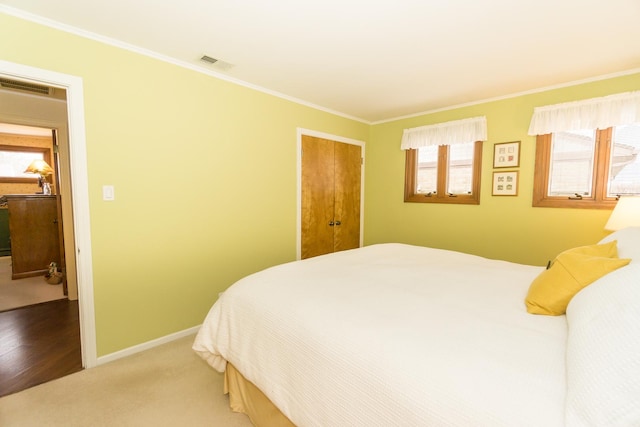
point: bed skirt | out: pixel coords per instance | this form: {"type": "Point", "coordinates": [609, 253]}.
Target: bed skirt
{"type": "Point", "coordinates": [246, 398]}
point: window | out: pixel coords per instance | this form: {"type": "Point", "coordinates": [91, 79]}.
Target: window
{"type": "Point", "coordinates": [14, 159]}
{"type": "Point", "coordinates": [444, 174]}
{"type": "Point", "coordinates": [587, 168]}
{"type": "Point", "coordinates": [587, 151]}
{"type": "Point", "coordinates": [443, 162]}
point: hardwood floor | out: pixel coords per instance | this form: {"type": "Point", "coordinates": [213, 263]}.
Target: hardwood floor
{"type": "Point", "coordinates": [38, 343]}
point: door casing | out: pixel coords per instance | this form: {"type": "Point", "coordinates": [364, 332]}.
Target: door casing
{"type": "Point", "coordinates": [79, 203]}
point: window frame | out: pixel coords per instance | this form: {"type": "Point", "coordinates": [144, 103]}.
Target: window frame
{"type": "Point", "coordinates": [598, 198]}
{"type": "Point", "coordinates": [411, 174]}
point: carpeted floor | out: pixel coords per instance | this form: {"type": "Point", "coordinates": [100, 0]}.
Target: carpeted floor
{"type": "Point", "coordinates": [27, 291]}
{"type": "Point", "coordinates": [166, 386]}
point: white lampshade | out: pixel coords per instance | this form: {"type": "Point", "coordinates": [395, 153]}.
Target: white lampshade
{"type": "Point", "coordinates": [625, 214]}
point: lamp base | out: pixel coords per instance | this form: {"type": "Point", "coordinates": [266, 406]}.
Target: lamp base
{"type": "Point", "coordinates": [46, 188]}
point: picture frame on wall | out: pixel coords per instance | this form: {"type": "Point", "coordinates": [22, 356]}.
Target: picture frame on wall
{"type": "Point", "coordinates": [506, 154]}
{"type": "Point", "coordinates": [505, 183]}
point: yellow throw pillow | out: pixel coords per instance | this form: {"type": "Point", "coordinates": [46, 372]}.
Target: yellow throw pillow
{"type": "Point", "coordinates": [607, 250]}
{"type": "Point", "coordinates": [571, 271]}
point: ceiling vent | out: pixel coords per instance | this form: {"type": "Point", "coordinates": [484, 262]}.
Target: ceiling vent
{"type": "Point", "coordinates": [221, 65]}
{"type": "Point", "coordinates": [208, 59]}
{"type": "Point", "coordinates": [25, 87]}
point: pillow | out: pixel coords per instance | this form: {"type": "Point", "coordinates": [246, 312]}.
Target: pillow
{"type": "Point", "coordinates": [572, 270]}
{"type": "Point", "coordinates": [603, 352]}
{"type": "Point", "coordinates": [608, 249]}
{"type": "Point", "coordinates": [628, 242]}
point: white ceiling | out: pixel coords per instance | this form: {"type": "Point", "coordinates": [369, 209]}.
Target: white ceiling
{"type": "Point", "coordinates": [371, 59]}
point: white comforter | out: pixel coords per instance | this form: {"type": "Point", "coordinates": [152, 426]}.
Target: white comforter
{"type": "Point", "coordinates": [393, 334]}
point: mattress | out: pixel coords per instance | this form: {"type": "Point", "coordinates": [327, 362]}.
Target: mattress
{"type": "Point", "coordinates": [393, 334]}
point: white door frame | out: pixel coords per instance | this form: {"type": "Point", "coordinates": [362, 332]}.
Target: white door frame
{"type": "Point", "coordinates": [300, 132]}
{"type": "Point", "coordinates": [80, 193]}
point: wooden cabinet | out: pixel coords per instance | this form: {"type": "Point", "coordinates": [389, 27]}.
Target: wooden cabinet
{"type": "Point", "coordinates": [331, 195]}
{"type": "Point", "coordinates": [33, 231]}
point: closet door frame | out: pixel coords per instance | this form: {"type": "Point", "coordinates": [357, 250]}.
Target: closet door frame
{"type": "Point", "coordinates": [337, 138]}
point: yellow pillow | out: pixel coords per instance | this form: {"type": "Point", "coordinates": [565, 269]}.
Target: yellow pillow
{"type": "Point", "coordinates": [608, 250]}
{"type": "Point", "coordinates": [571, 271]}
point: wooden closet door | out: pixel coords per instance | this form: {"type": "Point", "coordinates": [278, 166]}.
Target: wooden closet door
{"type": "Point", "coordinates": [347, 164]}
{"type": "Point", "coordinates": [317, 196]}
{"type": "Point", "coordinates": [331, 191]}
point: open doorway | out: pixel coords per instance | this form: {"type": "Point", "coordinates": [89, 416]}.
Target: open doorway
{"type": "Point", "coordinates": [30, 222]}
{"type": "Point", "coordinates": [75, 201]}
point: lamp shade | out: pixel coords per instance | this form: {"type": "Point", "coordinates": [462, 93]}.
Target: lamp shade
{"type": "Point", "coordinates": [625, 214]}
{"type": "Point", "coordinates": [40, 167]}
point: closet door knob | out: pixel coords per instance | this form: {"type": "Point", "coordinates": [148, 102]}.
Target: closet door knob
{"type": "Point", "coordinates": [338, 222]}
{"type": "Point", "coordinates": [331, 223]}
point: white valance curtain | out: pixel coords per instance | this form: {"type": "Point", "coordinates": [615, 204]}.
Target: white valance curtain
{"type": "Point", "coordinates": [447, 133]}
{"type": "Point", "coordinates": [594, 113]}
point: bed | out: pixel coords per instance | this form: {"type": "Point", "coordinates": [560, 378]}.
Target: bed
{"type": "Point", "coordinates": [395, 334]}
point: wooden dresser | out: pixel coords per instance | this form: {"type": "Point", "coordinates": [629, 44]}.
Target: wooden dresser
{"type": "Point", "coordinates": [33, 231]}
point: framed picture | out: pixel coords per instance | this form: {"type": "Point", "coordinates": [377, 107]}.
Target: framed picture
{"type": "Point", "coordinates": [505, 183]}
{"type": "Point", "coordinates": [506, 155]}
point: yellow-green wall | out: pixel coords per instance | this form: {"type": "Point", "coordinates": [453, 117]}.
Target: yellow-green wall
{"type": "Point", "coordinates": [204, 174]}
{"type": "Point", "coordinates": [205, 182]}
{"type": "Point", "coordinates": [503, 227]}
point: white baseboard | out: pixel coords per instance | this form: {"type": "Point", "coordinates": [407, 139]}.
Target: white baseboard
{"type": "Point", "coordinates": [146, 346]}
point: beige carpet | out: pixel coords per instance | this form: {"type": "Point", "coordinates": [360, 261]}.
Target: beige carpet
{"type": "Point", "coordinates": [165, 386]}
{"type": "Point", "coordinates": [27, 291]}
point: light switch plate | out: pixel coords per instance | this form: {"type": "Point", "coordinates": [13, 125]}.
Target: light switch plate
{"type": "Point", "coordinates": [108, 192]}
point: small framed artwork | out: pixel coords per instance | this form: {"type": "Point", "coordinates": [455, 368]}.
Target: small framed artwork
{"type": "Point", "coordinates": [506, 155]}
{"type": "Point", "coordinates": [505, 183]}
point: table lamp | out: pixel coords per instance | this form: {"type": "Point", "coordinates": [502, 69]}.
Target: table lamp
{"type": "Point", "coordinates": [43, 170]}
{"type": "Point", "coordinates": [625, 214]}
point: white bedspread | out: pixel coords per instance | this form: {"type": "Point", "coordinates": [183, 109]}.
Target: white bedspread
{"type": "Point", "coordinates": [393, 334]}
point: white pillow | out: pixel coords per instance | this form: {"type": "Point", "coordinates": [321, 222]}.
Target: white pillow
{"type": "Point", "coordinates": [603, 352]}
{"type": "Point", "coordinates": [628, 242]}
